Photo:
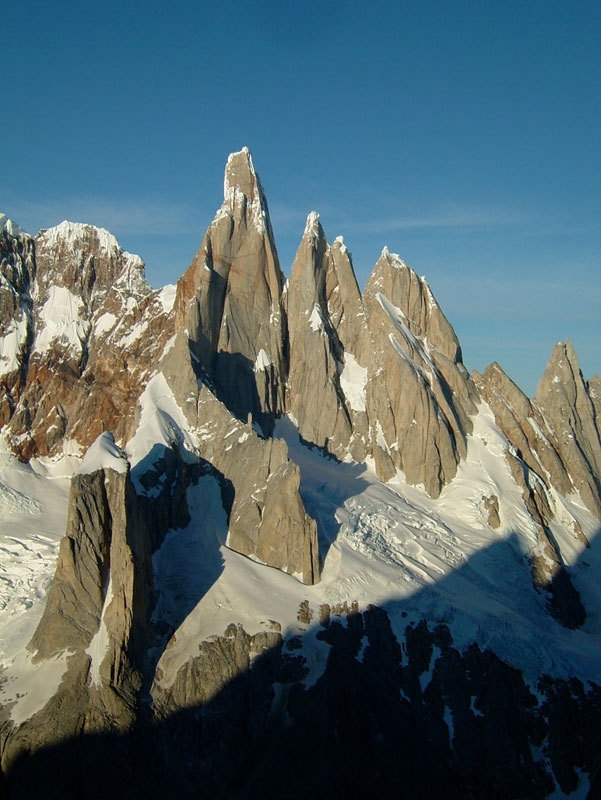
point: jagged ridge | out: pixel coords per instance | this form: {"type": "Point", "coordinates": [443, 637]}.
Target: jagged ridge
{"type": "Point", "coordinates": [376, 377]}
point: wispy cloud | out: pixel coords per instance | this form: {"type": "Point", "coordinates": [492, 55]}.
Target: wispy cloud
{"type": "Point", "coordinates": [465, 218]}
{"type": "Point", "coordinates": [127, 216]}
{"type": "Point", "coordinates": [288, 218]}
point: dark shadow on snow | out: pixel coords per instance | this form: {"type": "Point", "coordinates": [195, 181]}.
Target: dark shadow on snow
{"type": "Point", "coordinates": [399, 711]}
{"type": "Point", "coordinates": [322, 493]}
{"type": "Point", "coordinates": [168, 482]}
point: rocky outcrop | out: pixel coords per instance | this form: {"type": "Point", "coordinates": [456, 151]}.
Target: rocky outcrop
{"type": "Point", "coordinates": [97, 330]}
{"type": "Point", "coordinates": [523, 424]}
{"type": "Point", "coordinates": [230, 301]}
{"type": "Point", "coordinates": [97, 612]}
{"type": "Point", "coordinates": [563, 397]}
{"type": "Point", "coordinates": [536, 467]}
{"type": "Point", "coordinates": [327, 333]}
{"type": "Point", "coordinates": [17, 274]}
{"type": "Point", "coordinates": [218, 662]}
{"type": "Point", "coordinates": [267, 520]}
{"type": "Point", "coordinates": [556, 434]}
{"type": "Point", "coordinates": [100, 597]}
{"type": "Point", "coordinates": [419, 394]}
{"type": "Point", "coordinates": [378, 375]}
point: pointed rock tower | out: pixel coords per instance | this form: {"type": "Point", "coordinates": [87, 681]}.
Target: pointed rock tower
{"type": "Point", "coordinates": [326, 325]}
{"type": "Point", "coordinates": [230, 301]}
{"type": "Point", "coordinates": [564, 398]}
{"type": "Point", "coordinates": [419, 394]}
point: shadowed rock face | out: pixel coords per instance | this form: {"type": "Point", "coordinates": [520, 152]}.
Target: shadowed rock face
{"type": "Point", "coordinates": [398, 714]}
{"type": "Point", "coordinates": [267, 520]}
{"type": "Point", "coordinates": [17, 274]}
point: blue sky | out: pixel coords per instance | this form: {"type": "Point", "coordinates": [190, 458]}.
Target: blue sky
{"type": "Point", "coordinates": [465, 136]}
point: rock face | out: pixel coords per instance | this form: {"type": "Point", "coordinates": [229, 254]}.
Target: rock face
{"type": "Point", "coordinates": [379, 375]}
{"type": "Point", "coordinates": [17, 274]}
{"type": "Point", "coordinates": [230, 301]}
{"type": "Point", "coordinates": [564, 398]}
{"type": "Point", "coordinates": [267, 519]}
{"type": "Point", "coordinates": [327, 328]}
{"type": "Point", "coordinates": [538, 468]}
{"type": "Point", "coordinates": [419, 394]}
{"type": "Point", "coordinates": [98, 609]}
{"type": "Point", "coordinates": [93, 332]}
{"type": "Point", "coordinates": [102, 590]}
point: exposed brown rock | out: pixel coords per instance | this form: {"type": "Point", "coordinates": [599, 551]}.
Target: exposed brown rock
{"type": "Point", "coordinates": [524, 426]}
{"type": "Point", "coordinates": [218, 662]}
{"type": "Point", "coordinates": [97, 332]}
{"type": "Point", "coordinates": [491, 505]}
{"type": "Point", "coordinates": [103, 576]}
{"type": "Point", "coordinates": [563, 397]}
{"type": "Point", "coordinates": [326, 325]}
{"type": "Point", "coordinates": [267, 519]}
{"type": "Point", "coordinates": [419, 394]}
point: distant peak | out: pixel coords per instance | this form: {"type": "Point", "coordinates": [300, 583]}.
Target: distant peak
{"type": "Point", "coordinates": [73, 232]}
{"type": "Point", "coordinates": [7, 224]}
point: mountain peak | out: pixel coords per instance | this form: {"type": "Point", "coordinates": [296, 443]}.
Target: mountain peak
{"type": "Point", "coordinates": [11, 227]}
{"type": "Point", "coordinates": [82, 234]}
{"type": "Point", "coordinates": [240, 175]}
{"type": "Point", "coordinates": [562, 366]}
{"type": "Point", "coordinates": [313, 227]}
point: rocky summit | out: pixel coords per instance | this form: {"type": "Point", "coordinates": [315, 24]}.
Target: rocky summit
{"type": "Point", "coordinates": [265, 535]}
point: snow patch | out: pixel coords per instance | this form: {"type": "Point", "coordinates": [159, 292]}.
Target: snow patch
{"type": "Point", "coordinates": [104, 323]}
{"type": "Point", "coordinates": [262, 361]}
{"type": "Point", "coordinates": [162, 422]}
{"type": "Point", "coordinates": [136, 332]}
{"type": "Point", "coordinates": [31, 686]}
{"type": "Point", "coordinates": [316, 320]}
{"type": "Point", "coordinates": [353, 380]}
{"type": "Point", "coordinates": [103, 454]}
{"type": "Point", "coordinates": [62, 320]}
{"type": "Point", "coordinates": [99, 644]}
{"type": "Point", "coordinates": [339, 240]}
{"type": "Point", "coordinates": [394, 258]}
{"type": "Point", "coordinates": [13, 501]}
{"type": "Point", "coordinates": [312, 225]}
{"type": "Point", "coordinates": [77, 232]}
{"type": "Point", "coordinates": [167, 297]}
{"type": "Point", "coordinates": [12, 345]}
